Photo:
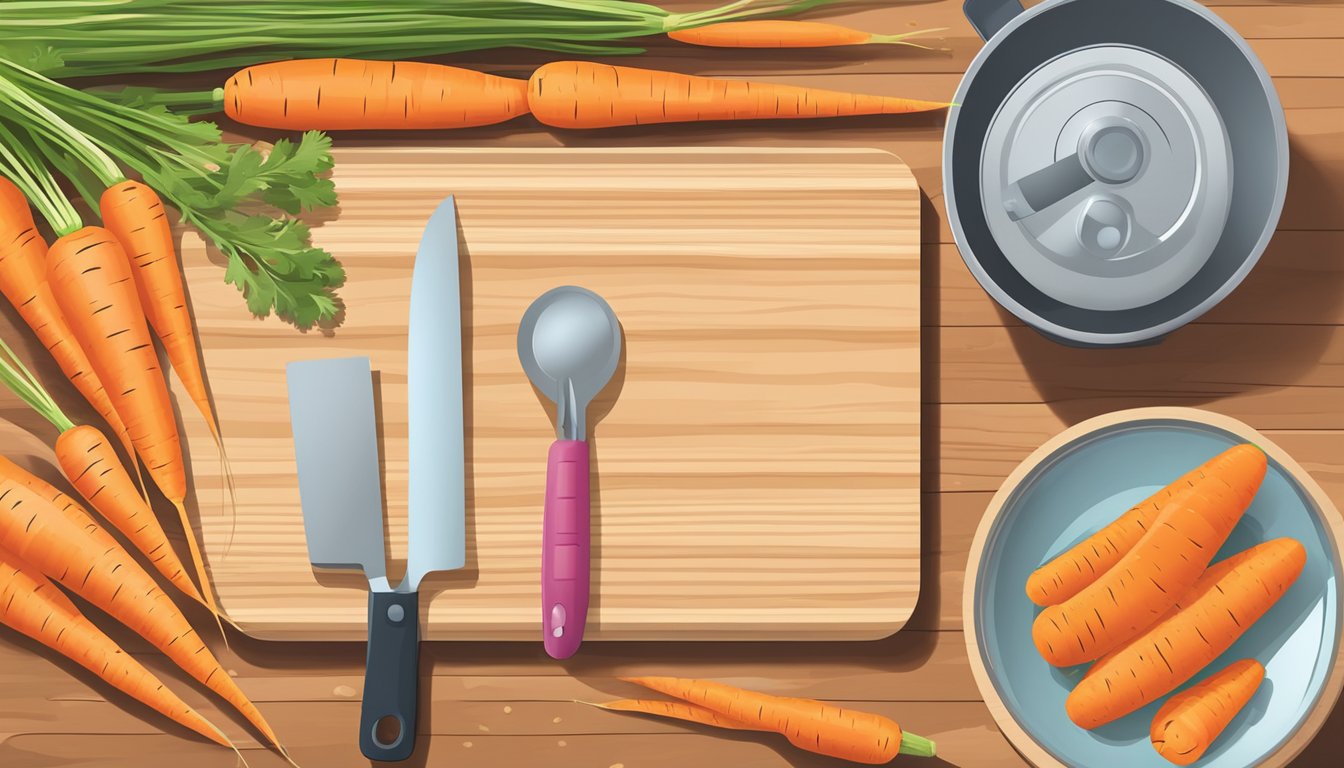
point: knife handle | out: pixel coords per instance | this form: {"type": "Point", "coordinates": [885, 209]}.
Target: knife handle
{"type": "Point", "coordinates": [391, 677]}
{"type": "Point", "coordinates": [564, 549]}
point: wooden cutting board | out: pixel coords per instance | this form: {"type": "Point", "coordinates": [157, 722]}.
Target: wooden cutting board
{"type": "Point", "coordinates": [756, 461]}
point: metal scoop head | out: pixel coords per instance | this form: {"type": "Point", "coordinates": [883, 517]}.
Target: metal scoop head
{"type": "Point", "coordinates": [569, 343]}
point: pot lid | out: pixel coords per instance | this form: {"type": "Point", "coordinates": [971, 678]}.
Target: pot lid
{"type": "Point", "coordinates": [1106, 177]}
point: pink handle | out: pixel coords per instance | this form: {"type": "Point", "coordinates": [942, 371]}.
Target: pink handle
{"type": "Point", "coordinates": [564, 549]}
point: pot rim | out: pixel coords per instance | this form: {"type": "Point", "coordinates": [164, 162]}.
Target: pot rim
{"type": "Point", "coordinates": [1009, 302]}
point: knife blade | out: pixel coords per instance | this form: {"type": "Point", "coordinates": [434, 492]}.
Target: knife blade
{"type": "Point", "coordinates": [437, 460]}
{"type": "Point", "coordinates": [336, 449]}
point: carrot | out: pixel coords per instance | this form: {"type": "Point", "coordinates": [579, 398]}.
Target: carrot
{"type": "Point", "coordinates": [33, 606]}
{"type": "Point", "coordinates": [133, 213]}
{"type": "Point", "coordinates": [46, 528]}
{"type": "Point", "coordinates": [680, 710]}
{"type": "Point", "coordinates": [1066, 574]}
{"type": "Point", "coordinates": [1231, 596]}
{"type": "Point", "coordinates": [91, 279]}
{"type": "Point", "coordinates": [578, 94]}
{"type": "Point", "coordinates": [88, 462]}
{"type": "Point", "coordinates": [814, 726]}
{"type": "Point", "coordinates": [779, 33]}
{"type": "Point", "coordinates": [339, 94]}
{"type": "Point", "coordinates": [23, 281]}
{"type": "Point", "coordinates": [1192, 720]}
{"type": "Point", "coordinates": [1152, 576]}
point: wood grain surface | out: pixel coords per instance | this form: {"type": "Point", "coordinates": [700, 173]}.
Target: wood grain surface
{"type": "Point", "coordinates": [1258, 356]}
{"type": "Point", "coordinates": [756, 456]}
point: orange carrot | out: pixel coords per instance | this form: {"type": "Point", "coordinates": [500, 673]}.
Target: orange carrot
{"type": "Point", "coordinates": [23, 280]}
{"type": "Point", "coordinates": [134, 214]}
{"type": "Point", "coordinates": [814, 726]}
{"type": "Point", "coordinates": [578, 94]}
{"type": "Point", "coordinates": [1152, 576]}
{"type": "Point", "coordinates": [1066, 574]}
{"type": "Point", "coordinates": [680, 710]}
{"type": "Point", "coordinates": [33, 606]}
{"type": "Point", "coordinates": [781, 33]}
{"type": "Point", "coordinates": [1231, 596]}
{"type": "Point", "coordinates": [339, 94]}
{"type": "Point", "coordinates": [91, 279]}
{"type": "Point", "coordinates": [46, 528]}
{"type": "Point", "coordinates": [1192, 720]}
{"type": "Point", "coordinates": [88, 461]}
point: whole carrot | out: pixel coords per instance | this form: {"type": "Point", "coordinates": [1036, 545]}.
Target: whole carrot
{"type": "Point", "coordinates": [1188, 724]}
{"type": "Point", "coordinates": [1231, 596]}
{"type": "Point", "coordinates": [814, 726]}
{"type": "Point", "coordinates": [88, 461]}
{"type": "Point", "coordinates": [1152, 576]}
{"type": "Point", "coordinates": [134, 214]}
{"type": "Point", "coordinates": [580, 94]}
{"type": "Point", "coordinates": [46, 528]}
{"type": "Point", "coordinates": [23, 281]}
{"type": "Point", "coordinates": [91, 278]}
{"type": "Point", "coordinates": [1067, 573]}
{"type": "Point", "coordinates": [338, 94]}
{"type": "Point", "coordinates": [30, 604]}
{"type": "Point", "coordinates": [782, 33]}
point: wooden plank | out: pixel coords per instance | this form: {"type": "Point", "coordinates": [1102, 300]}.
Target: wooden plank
{"type": "Point", "coordinates": [1296, 263]}
{"type": "Point", "coordinates": [1297, 373]}
{"type": "Point", "coordinates": [1008, 432]}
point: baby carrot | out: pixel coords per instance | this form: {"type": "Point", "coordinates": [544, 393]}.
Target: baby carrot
{"type": "Point", "coordinates": [1192, 720]}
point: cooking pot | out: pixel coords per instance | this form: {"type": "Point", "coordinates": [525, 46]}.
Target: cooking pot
{"type": "Point", "coordinates": [1113, 168]}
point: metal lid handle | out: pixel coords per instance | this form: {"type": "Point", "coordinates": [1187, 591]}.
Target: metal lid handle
{"type": "Point", "coordinates": [989, 16]}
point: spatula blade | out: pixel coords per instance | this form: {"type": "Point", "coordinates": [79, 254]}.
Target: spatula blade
{"type": "Point", "coordinates": [331, 409]}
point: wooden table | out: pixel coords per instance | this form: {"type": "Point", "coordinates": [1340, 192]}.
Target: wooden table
{"type": "Point", "coordinates": [1271, 355]}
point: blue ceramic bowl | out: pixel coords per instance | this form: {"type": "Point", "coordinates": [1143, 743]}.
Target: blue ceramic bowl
{"type": "Point", "coordinates": [1081, 485]}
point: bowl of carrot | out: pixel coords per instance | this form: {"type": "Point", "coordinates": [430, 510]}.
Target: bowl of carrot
{"type": "Point", "coordinates": [1158, 587]}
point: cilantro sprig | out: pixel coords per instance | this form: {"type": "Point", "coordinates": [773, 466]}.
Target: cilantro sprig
{"type": "Point", "coordinates": [244, 201]}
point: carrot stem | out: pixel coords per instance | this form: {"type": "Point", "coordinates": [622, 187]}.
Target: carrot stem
{"type": "Point", "coordinates": [917, 746]}
{"type": "Point", "coordinates": [34, 180]}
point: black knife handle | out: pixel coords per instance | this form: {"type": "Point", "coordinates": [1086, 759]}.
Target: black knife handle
{"type": "Point", "coordinates": [391, 677]}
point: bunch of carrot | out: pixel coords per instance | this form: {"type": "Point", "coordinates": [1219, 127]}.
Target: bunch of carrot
{"type": "Point", "coordinates": [814, 726]}
{"type": "Point", "coordinates": [346, 94]}
{"type": "Point", "coordinates": [92, 298]}
{"type": "Point", "coordinates": [1140, 600]}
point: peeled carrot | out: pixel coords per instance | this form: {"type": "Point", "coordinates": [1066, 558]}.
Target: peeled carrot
{"type": "Point", "coordinates": [23, 280]}
{"type": "Point", "coordinates": [782, 33]}
{"type": "Point", "coordinates": [580, 94]}
{"type": "Point", "coordinates": [1066, 574]}
{"type": "Point", "coordinates": [338, 94]}
{"type": "Point", "coordinates": [1231, 596]}
{"type": "Point", "coordinates": [32, 605]}
{"type": "Point", "coordinates": [46, 528]}
{"type": "Point", "coordinates": [134, 214]}
{"type": "Point", "coordinates": [814, 726]}
{"type": "Point", "coordinates": [91, 279]}
{"type": "Point", "coordinates": [1152, 576]}
{"type": "Point", "coordinates": [1188, 724]}
{"type": "Point", "coordinates": [680, 710]}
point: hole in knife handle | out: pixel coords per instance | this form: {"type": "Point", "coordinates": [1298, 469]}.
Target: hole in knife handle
{"type": "Point", "coordinates": [387, 732]}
